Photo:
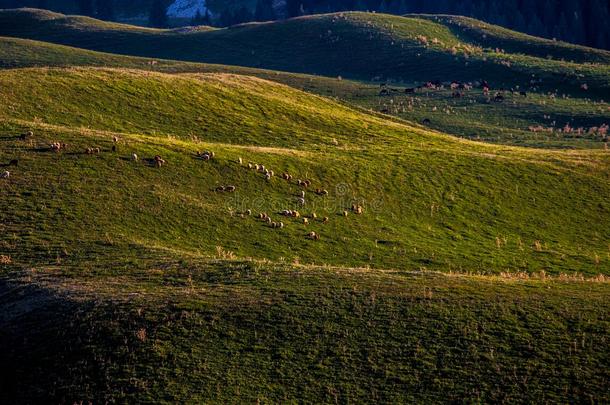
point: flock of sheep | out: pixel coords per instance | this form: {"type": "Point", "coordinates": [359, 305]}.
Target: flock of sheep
{"type": "Point", "coordinates": [158, 161]}
{"type": "Point", "coordinates": [303, 184]}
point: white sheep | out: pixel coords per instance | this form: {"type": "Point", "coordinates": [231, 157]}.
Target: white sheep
{"type": "Point", "coordinates": [5, 175]}
{"type": "Point", "coordinates": [301, 201]}
{"type": "Point", "coordinates": [134, 157]}
{"type": "Point", "coordinates": [313, 236]}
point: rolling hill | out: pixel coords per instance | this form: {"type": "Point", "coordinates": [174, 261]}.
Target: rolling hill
{"type": "Point", "coordinates": [353, 45]}
{"type": "Point", "coordinates": [181, 283]}
{"type": "Point", "coordinates": [475, 273]}
{"type": "Point", "coordinates": [471, 117]}
{"type": "Point", "coordinates": [418, 207]}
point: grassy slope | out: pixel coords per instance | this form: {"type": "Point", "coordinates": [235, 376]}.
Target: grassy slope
{"type": "Point", "coordinates": [332, 45]}
{"type": "Point", "coordinates": [493, 36]}
{"type": "Point", "coordinates": [187, 330]}
{"type": "Point", "coordinates": [432, 201]}
{"type": "Point", "coordinates": [503, 123]}
{"type": "Point", "coordinates": [111, 293]}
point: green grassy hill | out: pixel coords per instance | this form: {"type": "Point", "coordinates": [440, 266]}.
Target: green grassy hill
{"type": "Point", "coordinates": [435, 202]}
{"type": "Point", "coordinates": [471, 117]}
{"type": "Point", "coordinates": [178, 329]}
{"type": "Point", "coordinates": [406, 49]}
{"type": "Point", "coordinates": [476, 273]}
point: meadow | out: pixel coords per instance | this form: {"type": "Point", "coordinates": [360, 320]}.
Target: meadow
{"type": "Point", "coordinates": [476, 272]}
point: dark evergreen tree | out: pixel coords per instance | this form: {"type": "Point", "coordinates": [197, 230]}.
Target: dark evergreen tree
{"type": "Point", "coordinates": [264, 11]}
{"type": "Point", "coordinates": [226, 18]}
{"type": "Point", "coordinates": [105, 10]}
{"type": "Point", "coordinates": [157, 16]}
{"type": "Point", "coordinates": [242, 15]}
{"type": "Point", "coordinates": [198, 19]}
{"type": "Point", "coordinates": [207, 18]}
{"type": "Point", "coordinates": [85, 7]}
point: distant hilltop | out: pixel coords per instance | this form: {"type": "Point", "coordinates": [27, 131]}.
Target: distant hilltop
{"type": "Point", "coordinates": [582, 22]}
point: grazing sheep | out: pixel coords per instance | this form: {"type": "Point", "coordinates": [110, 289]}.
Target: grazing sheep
{"type": "Point", "coordinates": [257, 167]}
{"type": "Point", "coordinates": [321, 192]}
{"type": "Point", "coordinates": [268, 220]}
{"type": "Point", "coordinates": [296, 214]}
{"type": "Point", "coordinates": [286, 176]}
{"type": "Point", "coordinates": [313, 236]}
{"type": "Point", "coordinates": [220, 189]}
{"type": "Point", "coordinates": [134, 157]}
{"type": "Point", "coordinates": [55, 146]}
{"type": "Point", "coordinates": [248, 212]}
{"type": "Point", "coordinates": [281, 225]}
{"type": "Point", "coordinates": [230, 189]}
{"type": "Point", "coordinates": [250, 165]}
{"type": "Point", "coordinates": [26, 135]}
{"type": "Point", "coordinates": [305, 221]}
{"type": "Point", "coordinates": [206, 155]}
{"type": "Point", "coordinates": [325, 220]}
{"type": "Point", "coordinates": [301, 201]}
{"type": "Point", "coordinates": [345, 213]}
{"type": "Point", "coordinates": [159, 161]}
{"type": "Point", "coordinates": [5, 175]}
{"type": "Point", "coordinates": [357, 209]}
{"type": "Point", "coordinates": [261, 168]}
{"type": "Point", "coordinates": [240, 161]}
{"type": "Point", "coordinates": [115, 139]}
{"type": "Point", "coordinates": [267, 176]}
{"type": "Point", "coordinates": [313, 215]}
{"type": "Point", "coordinates": [302, 194]}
